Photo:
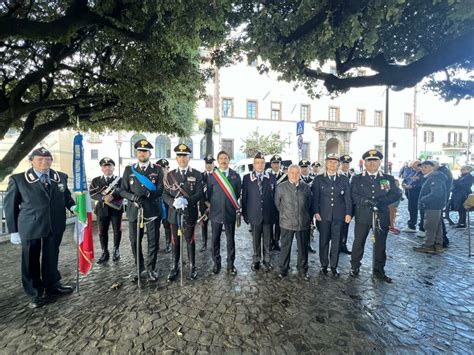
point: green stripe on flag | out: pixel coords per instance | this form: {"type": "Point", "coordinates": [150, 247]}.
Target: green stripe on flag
{"type": "Point", "coordinates": [81, 210]}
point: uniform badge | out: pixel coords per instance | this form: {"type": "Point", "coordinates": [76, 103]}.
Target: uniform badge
{"type": "Point", "coordinates": [61, 188]}
{"type": "Point", "coordinates": [384, 184]}
{"type": "Point", "coordinates": [191, 179]}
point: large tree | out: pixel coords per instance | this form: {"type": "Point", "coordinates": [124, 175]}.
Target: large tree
{"type": "Point", "coordinates": [400, 41]}
{"type": "Point", "coordinates": [126, 64]}
{"type": "Point", "coordinates": [255, 142]}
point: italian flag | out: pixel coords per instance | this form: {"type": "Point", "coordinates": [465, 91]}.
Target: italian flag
{"type": "Point", "coordinates": [83, 230]}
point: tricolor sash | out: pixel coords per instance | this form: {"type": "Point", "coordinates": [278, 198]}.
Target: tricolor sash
{"type": "Point", "coordinates": [144, 180]}
{"type": "Point", "coordinates": [227, 187]}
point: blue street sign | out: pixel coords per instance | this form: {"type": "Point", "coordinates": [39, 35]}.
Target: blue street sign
{"type": "Point", "coordinates": [299, 128]}
{"type": "Point", "coordinates": [300, 142]}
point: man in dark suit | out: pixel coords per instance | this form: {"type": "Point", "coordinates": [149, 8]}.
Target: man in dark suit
{"type": "Point", "coordinates": [223, 192]}
{"type": "Point", "coordinates": [345, 166]}
{"type": "Point", "coordinates": [105, 190]}
{"type": "Point", "coordinates": [182, 193]}
{"type": "Point", "coordinates": [204, 204]}
{"type": "Point", "coordinates": [35, 210]}
{"type": "Point", "coordinates": [307, 178]}
{"type": "Point", "coordinates": [280, 176]}
{"type": "Point", "coordinates": [142, 186]}
{"type": "Point", "coordinates": [332, 208]}
{"type": "Point", "coordinates": [165, 165]}
{"type": "Point", "coordinates": [372, 191]}
{"type": "Point", "coordinates": [258, 210]}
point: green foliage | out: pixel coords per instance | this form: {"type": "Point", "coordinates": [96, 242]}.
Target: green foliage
{"type": "Point", "coordinates": [266, 144]}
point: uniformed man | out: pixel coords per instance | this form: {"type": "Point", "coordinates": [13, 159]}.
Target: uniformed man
{"type": "Point", "coordinates": [35, 211]}
{"type": "Point", "coordinates": [183, 191]}
{"type": "Point", "coordinates": [204, 203]}
{"type": "Point", "coordinates": [332, 208]}
{"type": "Point", "coordinates": [280, 176]}
{"type": "Point", "coordinates": [315, 166]}
{"type": "Point", "coordinates": [307, 179]}
{"type": "Point", "coordinates": [105, 190]}
{"type": "Point", "coordinates": [344, 170]}
{"type": "Point", "coordinates": [258, 210]}
{"type": "Point", "coordinates": [165, 165]}
{"type": "Point", "coordinates": [223, 192]}
{"type": "Point", "coordinates": [372, 190]}
{"type": "Point", "coordinates": [142, 186]}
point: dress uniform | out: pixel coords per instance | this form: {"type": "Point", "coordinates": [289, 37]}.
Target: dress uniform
{"type": "Point", "coordinates": [371, 190]}
{"type": "Point", "coordinates": [223, 213]}
{"type": "Point", "coordinates": [108, 212]}
{"type": "Point", "coordinates": [142, 186]}
{"type": "Point", "coordinates": [35, 208]}
{"type": "Point", "coordinates": [315, 166]}
{"type": "Point", "coordinates": [204, 204]}
{"type": "Point", "coordinates": [258, 210]}
{"type": "Point", "coordinates": [164, 164]}
{"type": "Point", "coordinates": [280, 176]}
{"type": "Point", "coordinates": [345, 164]}
{"type": "Point", "coordinates": [331, 203]}
{"type": "Point", "coordinates": [183, 184]}
{"type": "Point", "coordinates": [308, 180]}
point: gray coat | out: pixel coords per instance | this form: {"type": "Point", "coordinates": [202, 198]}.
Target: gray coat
{"type": "Point", "coordinates": [294, 204]}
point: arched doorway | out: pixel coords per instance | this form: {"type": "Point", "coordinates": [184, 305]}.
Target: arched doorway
{"type": "Point", "coordinates": [333, 146]}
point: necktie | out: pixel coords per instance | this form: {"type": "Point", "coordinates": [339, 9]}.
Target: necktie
{"type": "Point", "coordinates": [333, 178]}
{"type": "Point", "coordinates": [372, 177]}
{"type": "Point", "coordinates": [45, 182]}
{"type": "Point", "coordinates": [260, 186]}
{"type": "Point", "coordinates": [183, 173]}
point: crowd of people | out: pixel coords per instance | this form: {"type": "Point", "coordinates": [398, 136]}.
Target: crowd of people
{"type": "Point", "coordinates": [278, 205]}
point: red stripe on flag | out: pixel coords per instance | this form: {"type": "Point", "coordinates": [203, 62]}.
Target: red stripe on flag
{"type": "Point", "coordinates": [86, 248]}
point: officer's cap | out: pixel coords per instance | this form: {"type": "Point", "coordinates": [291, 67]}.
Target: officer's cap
{"type": "Point", "coordinates": [315, 163]}
{"type": "Point", "coordinates": [209, 159]}
{"type": "Point", "coordinates": [40, 152]}
{"type": "Point", "coordinates": [275, 159]}
{"type": "Point", "coordinates": [259, 155]}
{"type": "Point", "coordinates": [163, 163]}
{"type": "Point", "coordinates": [304, 163]}
{"type": "Point", "coordinates": [372, 154]}
{"type": "Point", "coordinates": [428, 162]}
{"type": "Point", "coordinates": [144, 145]}
{"type": "Point", "coordinates": [182, 149]}
{"type": "Point", "coordinates": [332, 156]}
{"type": "Point", "coordinates": [345, 158]}
{"type": "Point", "coordinates": [106, 161]}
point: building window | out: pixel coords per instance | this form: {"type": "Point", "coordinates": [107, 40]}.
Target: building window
{"type": "Point", "coordinates": [227, 107]}
{"type": "Point", "coordinates": [428, 136]}
{"type": "Point", "coordinates": [305, 152]}
{"type": "Point", "coordinates": [251, 109]}
{"type": "Point", "coordinates": [361, 117]}
{"type": "Point", "coordinates": [471, 138]}
{"type": "Point", "coordinates": [460, 137]}
{"type": "Point", "coordinates": [334, 113]}
{"type": "Point", "coordinates": [378, 118]}
{"type": "Point", "coordinates": [305, 113]}
{"type": "Point", "coordinates": [94, 154]}
{"type": "Point", "coordinates": [162, 147]}
{"type": "Point", "coordinates": [452, 137]}
{"type": "Point", "coordinates": [228, 146]}
{"type": "Point", "coordinates": [209, 101]}
{"type": "Point", "coordinates": [95, 137]}
{"type": "Point", "coordinates": [189, 142]}
{"type": "Point", "coordinates": [276, 111]}
{"type": "Point", "coordinates": [135, 138]}
{"type": "Point", "coordinates": [407, 121]}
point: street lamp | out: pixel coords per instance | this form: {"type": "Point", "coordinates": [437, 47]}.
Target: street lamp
{"type": "Point", "coordinates": [118, 142]}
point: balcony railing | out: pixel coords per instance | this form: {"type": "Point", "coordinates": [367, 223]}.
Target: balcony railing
{"type": "Point", "coordinates": [335, 126]}
{"type": "Point", "coordinates": [454, 145]}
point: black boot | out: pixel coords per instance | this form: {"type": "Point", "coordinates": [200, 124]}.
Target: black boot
{"type": "Point", "coordinates": [175, 270]}
{"type": "Point", "coordinates": [116, 255]}
{"type": "Point", "coordinates": [104, 257]}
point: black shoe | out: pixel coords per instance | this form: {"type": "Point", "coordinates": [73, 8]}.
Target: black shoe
{"type": "Point", "coordinates": [311, 250]}
{"type": "Point", "coordinates": [383, 277]}
{"type": "Point", "coordinates": [460, 226]}
{"type": "Point", "coordinates": [343, 249]}
{"type": "Point", "coordinates": [323, 271]}
{"type": "Point", "coordinates": [152, 276]}
{"type": "Point", "coordinates": [143, 274]}
{"type": "Point", "coordinates": [255, 266]}
{"type": "Point", "coordinates": [282, 275]}
{"type": "Point", "coordinates": [267, 267]}
{"type": "Point", "coordinates": [335, 273]}
{"type": "Point", "coordinates": [354, 272]}
{"type": "Point", "coordinates": [232, 270]}
{"type": "Point", "coordinates": [116, 255]}
{"type": "Point", "coordinates": [276, 247]}
{"type": "Point", "coordinates": [60, 290]}
{"type": "Point", "coordinates": [168, 249]}
{"type": "Point", "coordinates": [203, 248]}
{"type": "Point", "coordinates": [445, 245]}
{"type": "Point", "coordinates": [104, 257]}
{"type": "Point", "coordinates": [173, 274]}
{"type": "Point", "coordinates": [37, 302]}
{"type": "Point", "coordinates": [304, 276]}
{"type": "Point", "coordinates": [216, 268]}
{"type": "Point", "coordinates": [192, 273]}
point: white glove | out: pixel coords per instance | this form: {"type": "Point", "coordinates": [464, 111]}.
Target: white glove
{"type": "Point", "coordinates": [180, 203]}
{"type": "Point", "coordinates": [73, 209]}
{"type": "Point", "coordinates": [15, 238]}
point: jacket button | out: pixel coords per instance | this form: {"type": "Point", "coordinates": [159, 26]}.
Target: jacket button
{"type": "Point", "coordinates": [373, 191]}
{"type": "Point", "coordinates": [332, 204]}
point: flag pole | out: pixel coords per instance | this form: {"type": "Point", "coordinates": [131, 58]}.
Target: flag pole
{"type": "Point", "coordinates": [77, 257]}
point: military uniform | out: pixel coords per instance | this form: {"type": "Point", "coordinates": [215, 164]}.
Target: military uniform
{"type": "Point", "coordinates": [258, 210]}
{"type": "Point", "coordinates": [308, 180]}
{"type": "Point", "coordinates": [164, 164]}
{"type": "Point", "coordinates": [331, 200]}
{"type": "Point", "coordinates": [369, 191]}
{"type": "Point", "coordinates": [35, 207]}
{"type": "Point", "coordinates": [204, 204]}
{"type": "Point", "coordinates": [139, 195]}
{"type": "Point", "coordinates": [183, 183]}
{"type": "Point", "coordinates": [345, 159]}
{"type": "Point", "coordinates": [106, 214]}
{"type": "Point", "coordinates": [223, 213]}
{"type": "Point", "coordinates": [314, 165]}
{"type": "Point", "coordinates": [280, 177]}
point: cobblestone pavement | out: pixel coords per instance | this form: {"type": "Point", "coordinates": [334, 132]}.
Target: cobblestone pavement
{"type": "Point", "coordinates": [428, 309]}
